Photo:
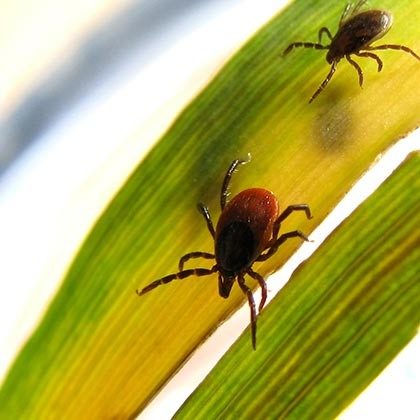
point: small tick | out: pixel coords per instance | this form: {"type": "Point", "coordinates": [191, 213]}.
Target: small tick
{"type": "Point", "coordinates": [247, 231]}
{"type": "Point", "coordinates": [355, 34]}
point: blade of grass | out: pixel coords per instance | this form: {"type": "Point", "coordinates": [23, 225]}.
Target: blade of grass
{"type": "Point", "coordinates": [343, 316]}
{"type": "Point", "coordinates": [101, 349]}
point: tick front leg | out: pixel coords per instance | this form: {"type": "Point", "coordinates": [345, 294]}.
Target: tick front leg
{"type": "Point", "coordinates": [251, 302]}
{"type": "Point", "coordinates": [190, 255]}
{"type": "Point", "coordinates": [206, 214]}
{"type": "Point", "coordinates": [225, 186]}
{"type": "Point", "coordinates": [345, 13]}
{"type": "Point", "coordinates": [294, 45]}
{"type": "Point", "coordinates": [324, 30]}
{"type": "Point", "coordinates": [177, 276]}
{"type": "Point", "coordinates": [350, 10]}
{"type": "Point", "coordinates": [358, 6]}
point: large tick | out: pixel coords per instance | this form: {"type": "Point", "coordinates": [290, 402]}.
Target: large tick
{"type": "Point", "coordinates": [247, 231]}
{"type": "Point", "coordinates": [356, 32]}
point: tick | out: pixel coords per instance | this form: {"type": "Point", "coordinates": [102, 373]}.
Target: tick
{"type": "Point", "coordinates": [247, 231]}
{"type": "Point", "coordinates": [356, 32]}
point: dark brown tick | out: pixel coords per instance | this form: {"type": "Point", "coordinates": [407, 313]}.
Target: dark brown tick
{"type": "Point", "coordinates": [356, 32]}
{"type": "Point", "coordinates": [247, 231]}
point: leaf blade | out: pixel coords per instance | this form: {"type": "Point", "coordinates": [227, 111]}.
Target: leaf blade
{"type": "Point", "coordinates": [102, 349]}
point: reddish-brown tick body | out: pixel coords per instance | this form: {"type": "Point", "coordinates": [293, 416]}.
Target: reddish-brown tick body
{"type": "Point", "coordinates": [247, 231]}
{"type": "Point", "coordinates": [243, 231]}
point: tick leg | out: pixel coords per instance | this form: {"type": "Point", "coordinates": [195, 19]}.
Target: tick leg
{"type": "Point", "coordinates": [281, 239]}
{"type": "Point", "coordinates": [286, 213]}
{"type": "Point", "coordinates": [197, 254]}
{"type": "Point", "coordinates": [351, 10]}
{"type": "Point", "coordinates": [393, 47]}
{"type": "Point", "coordinates": [180, 276]}
{"type": "Point", "coordinates": [357, 67]}
{"type": "Point", "coordinates": [305, 45]}
{"type": "Point", "coordinates": [371, 55]}
{"type": "Point", "coordinates": [225, 186]}
{"type": "Point", "coordinates": [325, 82]}
{"type": "Point", "coordinates": [358, 5]}
{"type": "Point", "coordinates": [324, 30]}
{"type": "Point", "coordinates": [251, 303]}
{"type": "Point", "coordinates": [263, 285]}
{"type": "Point", "coordinates": [345, 13]}
{"type": "Point", "coordinates": [206, 214]}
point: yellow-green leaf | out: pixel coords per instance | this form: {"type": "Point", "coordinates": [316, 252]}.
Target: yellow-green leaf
{"type": "Point", "coordinates": [101, 349]}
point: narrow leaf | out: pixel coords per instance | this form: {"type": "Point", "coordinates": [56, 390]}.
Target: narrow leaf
{"type": "Point", "coordinates": [102, 350]}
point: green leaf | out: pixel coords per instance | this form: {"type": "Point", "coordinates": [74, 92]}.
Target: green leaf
{"type": "Point", "coordinates": [343, 316]}
{"type": "Point", "coordinates": [102, 350]}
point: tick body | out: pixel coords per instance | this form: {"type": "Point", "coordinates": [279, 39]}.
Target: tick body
{"type": "Point", "coordinates": [356, 32]}
{"type": "Point", "coordinates": [243, 232]}
{"type": "Point", "coordinates": [246, 232]}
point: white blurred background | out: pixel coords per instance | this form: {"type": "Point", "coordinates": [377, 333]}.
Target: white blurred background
{"type": "Point", "coordinates": [85, 90]}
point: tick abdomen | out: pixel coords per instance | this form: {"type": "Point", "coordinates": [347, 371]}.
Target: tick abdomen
{"type": "Point", "coordinates": [245, 228]}
{"type": "Point", "coordinates": [358, 32]}
{"type": "Point", "coordinates": [235, 247]}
